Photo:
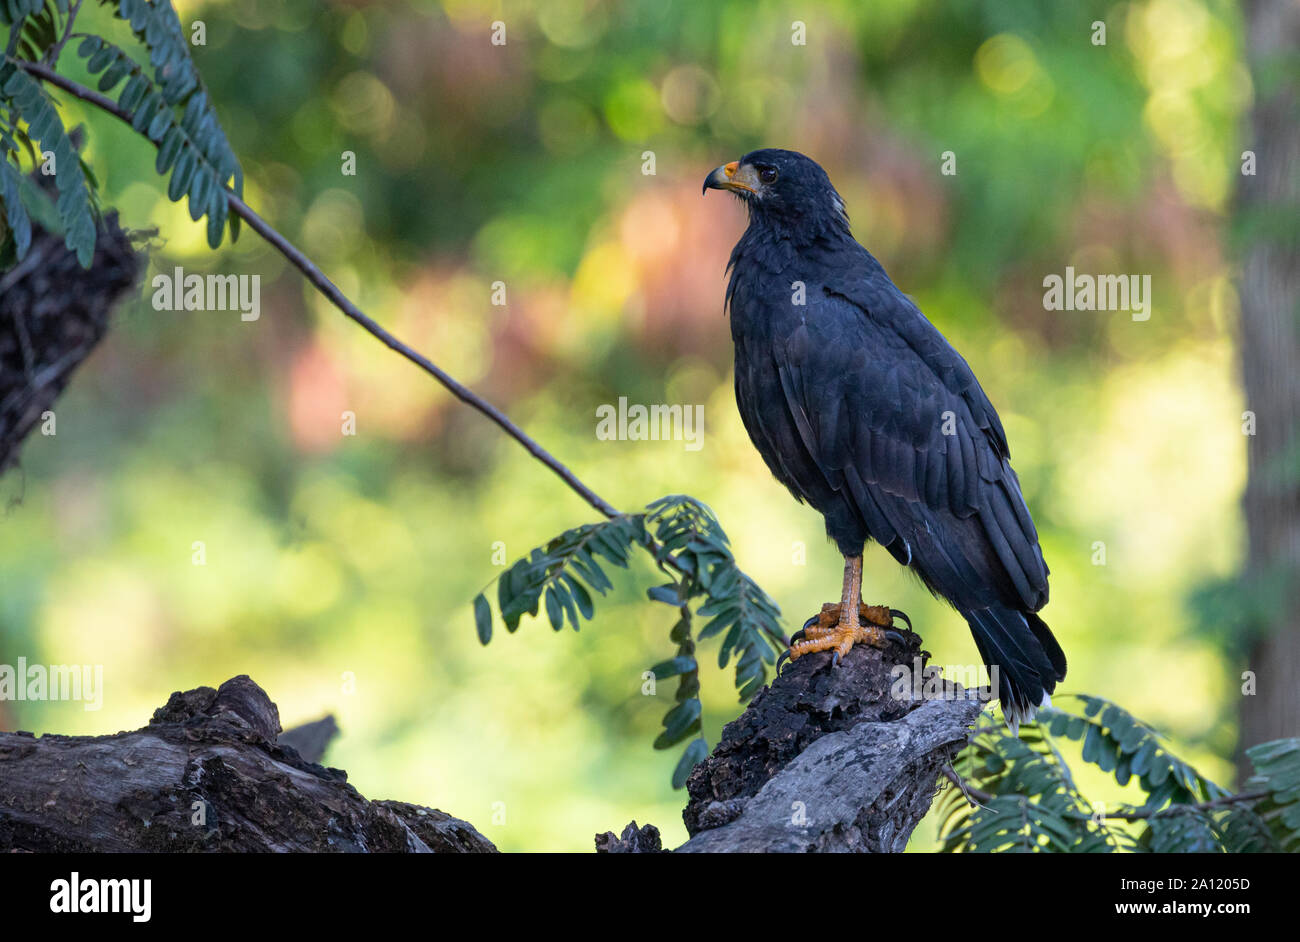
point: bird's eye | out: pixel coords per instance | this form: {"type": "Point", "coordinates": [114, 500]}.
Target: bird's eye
{"type": "Point", "coordinates": [767, 175]}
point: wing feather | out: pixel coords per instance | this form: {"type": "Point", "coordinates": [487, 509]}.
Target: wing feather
{"type": "Point", "coordinates": [869, 402]}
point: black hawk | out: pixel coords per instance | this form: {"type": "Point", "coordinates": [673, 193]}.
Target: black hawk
{"type": "Point", "coordinates": [861, 408]}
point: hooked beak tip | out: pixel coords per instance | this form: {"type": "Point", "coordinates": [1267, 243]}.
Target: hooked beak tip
{"type": "Point", "coordinates": [730, 176]}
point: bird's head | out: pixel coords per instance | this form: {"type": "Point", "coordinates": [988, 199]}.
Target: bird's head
{"type": "Point", "coordinates": [782, 187]}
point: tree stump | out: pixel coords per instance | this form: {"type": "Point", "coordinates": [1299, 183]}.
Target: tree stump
{"type": "Point", "coordinates": [829, 758]}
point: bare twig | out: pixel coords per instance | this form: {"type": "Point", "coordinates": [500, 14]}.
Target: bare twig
{"type": "Point", "coordinates": [979, 796]}
{"type": "Point", "coordinates": [975, 797]}
{"type": "Point", "coordinates": [52, 54]}
{"type": "Point", "coordinates": [1214, 805]}
{"type": "Point", "coordinates": [461, 392]}
{"type": "Point", "coordinates": [339, 300]}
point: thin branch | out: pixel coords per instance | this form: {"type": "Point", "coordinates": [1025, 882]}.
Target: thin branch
{"type": "Point", "coordinates": [331, 291]}
{"type": "Point", "coordinates": [52, 54]}
{"type": "Point", "coordinates": [977, 795]}
{"type": "Point", "coordinates": [339, 300]}
{"type": "Point", "coordinates": [1214, 805]}
{"type": "Point", "coordinates": [461, 392]}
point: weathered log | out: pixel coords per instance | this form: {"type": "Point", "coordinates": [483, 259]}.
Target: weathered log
{"type": "Point", "coordinates": [829, 758]}
{"type": "Point", "coordinates": [206, 774]}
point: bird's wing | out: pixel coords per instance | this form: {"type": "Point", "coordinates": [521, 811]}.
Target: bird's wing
{"type": "Point", "coordinates": [891, 415]}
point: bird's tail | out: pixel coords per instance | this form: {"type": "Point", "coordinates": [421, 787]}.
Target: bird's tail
{"type": "Point", "coordinates": [1022, 655]}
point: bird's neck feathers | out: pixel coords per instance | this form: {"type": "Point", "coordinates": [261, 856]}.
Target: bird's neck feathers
{"type": "Point", "coordinates": [822, 219]}
{"type": "Point", "coordinates": [777, 240]}
{"type": "Point", "coordinates": [780, 246]}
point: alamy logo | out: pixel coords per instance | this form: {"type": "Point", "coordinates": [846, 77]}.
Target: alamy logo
{"type": "Point", "coordinates": [951, 682]}
{"type": "Point", "coordinates": [76, 895]}
{"type": "Point", "coordinates": [638, 423]}
{"type": "Point", "coordinates": [1098, 293]}
{"type": "Point", "coordinates": [54, 682]}
{"type": "Point", "coordinates": [193, 292]}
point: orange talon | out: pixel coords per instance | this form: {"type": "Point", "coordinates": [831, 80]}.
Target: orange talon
{"type": "Point", "coordinates": [831, 632]}
{"type": "Point", "coordinates": [836, 629]}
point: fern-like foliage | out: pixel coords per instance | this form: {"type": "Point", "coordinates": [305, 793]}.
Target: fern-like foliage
{"type": "Point", "coordinates": [684, 720]}
{"type": "Point", "coordinates": [1277, 774]}
{"type": "Point", "coordinates": [687, 543]}
{"type": "Point", "coordinates": [195, 148]}
{"type": "Point", "coordinates": [562, 575]}
{"type": "Point", "coordinates": [17, 228]}
{"type": "Point", "coordinates": [1014, 823]}
{"type": "Point", "coordinates": [38, 22]}
{"type": "Point", "coordinates": [15, 11]}
{"type": "Point", "coordinates": [166, 103]}
{"type": "Point", "coordinates": [692, 547]}
{"type": "Point", "coordinates": [1017, 794]}
{"type": "Point", "coordinates": [689, 532]}
{"type": "Point", "coordinates": [33, 30]}
{"type": "Point", "coordinates": [1122, 745]}
{"type": "Point", "coordinates": [1035, 805]}
{"type": "Point", "coordinates": [1186, 831]}
{"type": "Point", "coordinates": [23, 98]}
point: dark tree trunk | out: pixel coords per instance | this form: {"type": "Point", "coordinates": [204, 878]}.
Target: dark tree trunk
{"type": "Point", "coordinates": [1269, 208]}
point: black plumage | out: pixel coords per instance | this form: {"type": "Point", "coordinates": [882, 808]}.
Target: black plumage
{"type": "Point", "coordinates": [861, 408]}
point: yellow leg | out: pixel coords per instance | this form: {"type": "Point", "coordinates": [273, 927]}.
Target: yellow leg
{"type": "Point", "coordinates": [837, 629]}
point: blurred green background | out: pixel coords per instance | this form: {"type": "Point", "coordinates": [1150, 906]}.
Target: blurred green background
{"type": "Point", "coordinates": [339, 569]}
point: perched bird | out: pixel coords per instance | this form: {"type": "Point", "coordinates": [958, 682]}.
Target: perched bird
{"type": "Point", "coordinates": [861, 408]}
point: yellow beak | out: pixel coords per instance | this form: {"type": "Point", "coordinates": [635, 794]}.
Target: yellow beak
{"type": "Point", "coordinates": [732, 177]}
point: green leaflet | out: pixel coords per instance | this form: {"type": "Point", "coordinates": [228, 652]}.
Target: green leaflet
{"type": "Point", "coordinates": [1277, 773]}
{"type": "Point", "coordinates": [1124, 746]}
{"type": "Point", "coordinates": [170, 107]}
{"type": "Point", "coordinates": [1036, 806]}
{"type": "Point", "coordinates": [23, 97]}
{"type": "Point", "coordinates": [683, 537]}
{"type": "Point", "coordinates": [193, 148]}
{"type": "Point", "coordinates": [18, 223]}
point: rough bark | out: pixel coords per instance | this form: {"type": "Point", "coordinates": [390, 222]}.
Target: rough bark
{"type": "Point", "coordinates": [206, 774]}
{"type": "Point", "coordinates": [1269, 207]}
{"type": "Point", "coordinates": [53, 312]}
{"type": "Point", "coordinates": [826, 759]}
{"type": "Point", "coordinates": [633, 840]}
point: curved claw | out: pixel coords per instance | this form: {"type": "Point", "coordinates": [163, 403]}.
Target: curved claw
{"type": "Point", "coordinates": [895, 637]}
{"type": "Point", "coordinates": [809, 623]}
{"type": "Point", "coordinates": [785, 656]}
{"type": "Point", "coordinates": [835, 660]}
{"type": "Point", "coordinates": [901, 616]}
